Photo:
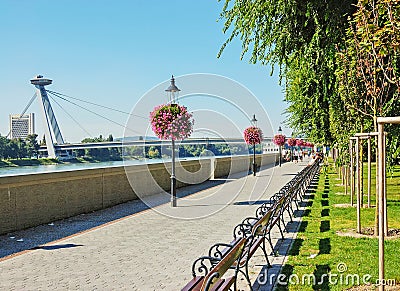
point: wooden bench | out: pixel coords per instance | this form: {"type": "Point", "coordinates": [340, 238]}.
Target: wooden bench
{"type": "Point", "coordinates": [249, 235]}
{"type": "Point", "coordinates": [208, 271]}
{"type": "Point", "coordinates": [257, 229]}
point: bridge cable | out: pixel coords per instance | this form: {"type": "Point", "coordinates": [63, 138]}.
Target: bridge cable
{"type": "Point", "coordinates": [92, 103]}
{"type": "Point", "coordinates": [99, 115]}
{"type": "Point", "coordinates": [25, 110]}
{"type": "Point", "coordinates": [66, 112]}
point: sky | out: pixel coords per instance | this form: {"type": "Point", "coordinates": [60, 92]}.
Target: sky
{"type": "Point", "coordinates": [114, 53]}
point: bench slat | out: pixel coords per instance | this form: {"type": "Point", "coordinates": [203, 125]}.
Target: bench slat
{"type": "Point", "coordinates": [225, 285]}
{"type": "Point", "coordinates": [192, 284]}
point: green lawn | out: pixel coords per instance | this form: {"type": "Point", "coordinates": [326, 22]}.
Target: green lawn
{"type": "Point", "coordinates": [317, 236]}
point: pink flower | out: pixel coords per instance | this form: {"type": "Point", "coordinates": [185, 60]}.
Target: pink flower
{"type": "Point", "coordinates": [171, 121]}
{"type": "Point", "coordinates": [291, 142]}
{"type": "Point", "coordinates": [279, 139]}
{"type": "Point", "coordinates": [253, 135]}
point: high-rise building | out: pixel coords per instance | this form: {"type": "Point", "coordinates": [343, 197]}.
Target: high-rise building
{"type": "Point", "coordinates": [22, 125]}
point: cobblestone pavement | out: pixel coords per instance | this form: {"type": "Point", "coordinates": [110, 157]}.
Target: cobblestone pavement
{"type": "Point", "coordinates": [134, 247]}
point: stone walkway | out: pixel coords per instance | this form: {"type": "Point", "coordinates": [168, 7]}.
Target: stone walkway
{"type": "Point", "coordinates": [134, 247]}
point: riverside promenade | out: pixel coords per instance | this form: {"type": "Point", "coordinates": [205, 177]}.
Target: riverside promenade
{"type": "Point", "coordinates": [148, 248]}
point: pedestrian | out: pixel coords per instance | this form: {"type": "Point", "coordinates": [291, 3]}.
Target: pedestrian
{"type": "Point", "coordinates": [295, 156]}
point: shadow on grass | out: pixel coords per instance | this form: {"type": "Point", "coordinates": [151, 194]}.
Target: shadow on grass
{"type": "Point", "coordinates": [303, 226]}
{"type": "Point", "coordinates": [324, 203]}
{"type": "Point", "coordinates": [324, 246]}
{"type": "Point", "coordinates": [324, 196]}
{"type": "Point", "coordinates": [321, 279]}
{"type": "Point", "coordinates": [325, 226]}
{"type": "Point", "coordinates": [286, 271]}
{"type": "Point", "coordinates": [296, 246]}
{"type": "Point", "coordinates": [324, 212]}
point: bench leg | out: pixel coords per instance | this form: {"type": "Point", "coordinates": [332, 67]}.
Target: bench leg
{"type": "Point", "coordinates": [270, 243]}
{"type": "Point", "coordinates": [290, 215]}
{"type": "Point", "coordinates": [280, 228]}
{"type": "Point", "coordinates": [265, 254]}
{"type": "Point", "coordinates": [246, 275]}
{"type": "Point", "coordinates": [283, 221]}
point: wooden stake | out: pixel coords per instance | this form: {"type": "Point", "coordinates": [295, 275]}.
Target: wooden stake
{"type": "Point", "coordinates": [381, 194]}
{"type": "Point", "coordinates": [351, 172]}
{"type": "Point", "coordinates": [369, 172]}
{"type": "Point", "coordinates": [358, 170]}
{"type": "Point", "coordinates": [385, 225]}
{"type": "Point", "coordinates": [361, 175]}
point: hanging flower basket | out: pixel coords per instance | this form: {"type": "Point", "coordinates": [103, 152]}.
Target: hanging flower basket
{"type": "Point", "coordinates": [253, 135]}
{"type": "Point", "coordinates": [279, 139]}
{"type": "Point", "coordinates": [309, 144]}
{"type": "Point", "coordinates": [171, 121]}
{"type": "Point", "coordinates": [291, 142]}
{"type": "Point", "coordinates": [299, 142]}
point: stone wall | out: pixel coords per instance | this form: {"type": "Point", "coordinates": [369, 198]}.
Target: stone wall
{"type": "Point", "coordinates": [31, 200]}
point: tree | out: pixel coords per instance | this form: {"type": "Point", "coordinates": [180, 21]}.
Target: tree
{"type": "Point", "coordinates": [12, 149]}
{"type": "Point", "coordinates": [32, 146]}
{"type": "Point", "coordinates": [22, 149]}
{"type": "Point", "coordinates": [300, 37]}
{"type": "Point", "coordinates": [369, 67]}
{"type": "Point", "coordinates": [3, 146]}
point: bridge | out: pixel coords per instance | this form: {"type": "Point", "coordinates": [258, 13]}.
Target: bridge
{"type": "Point", "coordinates": [120, 144]}
{"type": "Point", "coordinates": [57, 147]}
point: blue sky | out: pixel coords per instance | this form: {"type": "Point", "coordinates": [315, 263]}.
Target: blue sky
{"type": "Point", "coordinates": [113, 52]}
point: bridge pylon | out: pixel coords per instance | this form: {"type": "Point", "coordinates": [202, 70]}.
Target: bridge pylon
{"type": "Point", "coordinates": [51, 129]}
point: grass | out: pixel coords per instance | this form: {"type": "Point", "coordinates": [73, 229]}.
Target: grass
{"type": "Point", "coordinates": [317, 236]}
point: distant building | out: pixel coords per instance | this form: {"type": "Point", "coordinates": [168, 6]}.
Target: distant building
{"type": "Point", "coordinates": [22, 125]}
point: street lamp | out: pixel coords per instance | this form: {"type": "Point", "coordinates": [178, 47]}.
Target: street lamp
{"type": "Point", "coordinates": [254, 122]}
{"type": "Point", "coordinates": [173, 92]}
{"type": "Point", "coordinates": [291, 148]}
{"type": "Point", "coordinates": [280, 150]}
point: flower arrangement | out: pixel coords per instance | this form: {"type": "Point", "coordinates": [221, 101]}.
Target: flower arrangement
{"type": "Point", "coordinates": [171, 121]}
{"type": "Point", "coordinates": [253, 135]}
{"type": "Point", "coordinates": [291, 142]}
{"type": "Point", "coordinates": [309, 144]}
{"type": "Point", "coordinates": [279, 139]}
{"type": "Point", "coordinates": [299, 142]}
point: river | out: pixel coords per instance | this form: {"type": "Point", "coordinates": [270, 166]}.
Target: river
{"type": "Point", "coordinates": [26, 170]}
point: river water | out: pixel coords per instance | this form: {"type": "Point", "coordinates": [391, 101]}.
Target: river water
{"type": "Point", "coordinates": [25, 170]}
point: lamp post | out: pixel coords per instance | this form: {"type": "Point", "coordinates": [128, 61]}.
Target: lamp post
{"type": "Point", "coordinates": [172, 92]}
{"type": "Point", "coordinates": [291, 149]}
{"type": "Point", "coordinates": [280, 150]}
{"type": "Point", "coordinates": [254, 122]}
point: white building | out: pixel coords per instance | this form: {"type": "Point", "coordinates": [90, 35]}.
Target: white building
{"type": "Point", "coordinates": [22, 125]}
